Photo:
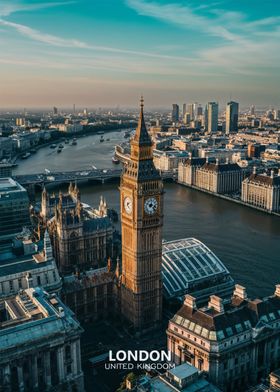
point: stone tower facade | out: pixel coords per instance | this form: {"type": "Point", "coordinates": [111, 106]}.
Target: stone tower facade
{"type": "Point", "coordinates": [141, 193]}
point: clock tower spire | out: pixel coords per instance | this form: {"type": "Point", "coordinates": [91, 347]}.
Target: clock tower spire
{"type": "Point", "coordinates": [141, 193]}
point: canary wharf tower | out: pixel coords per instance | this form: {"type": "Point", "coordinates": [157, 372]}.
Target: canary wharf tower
{"type": "Point", "coordinates": [141, 193]}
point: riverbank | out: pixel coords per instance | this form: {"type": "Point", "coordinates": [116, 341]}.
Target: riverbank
{"type": "Point", "coordinates": [229, 198]}
{"type": "Point", "coordinates": [59, 137]}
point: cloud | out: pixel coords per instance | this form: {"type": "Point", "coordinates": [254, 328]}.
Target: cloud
{"type": "Point", "coordinates": [185, 17]}
{"type": "Point", "coordinates": [241, 45]}
{"type": "Point", "coordinates": [12, 6]}
{"type": "Point", "coordinates": [42, 37]}
{"type": "Point", "coordinates": [53, 40]}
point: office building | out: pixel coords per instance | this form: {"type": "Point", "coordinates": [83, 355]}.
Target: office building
{"type": "Point", "coordinates": [236, 342]}
{"type": "Point", "coordinates": [212, 117]}
{"type": "Point", "coordinates": [232, 117]}
{"type": "Point", "coordinates": [6, 170]}
{"type": "Point", "coordinates": [175, 113]}
{"type": "Point", "coordinates": [14, 211]}
{"type": "Point", "coordinates": [40, 344]}
{"type": "Point", "coordinates": [31, 267]}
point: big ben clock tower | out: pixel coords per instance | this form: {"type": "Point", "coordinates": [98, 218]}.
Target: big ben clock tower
{"type": "Point", "coordinates": [141, 193]}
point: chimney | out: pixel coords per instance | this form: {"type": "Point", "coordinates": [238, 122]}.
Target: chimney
{"type": "Point", "coordinates": [272, 173]}
{"type": "Point", "coordinates": [190, 302]}
{"type": "Point", "coordinates": [216, 303]}
{"type": "Point", "coordinates": [227, 161]}
{"type": "Point", "coordinates": [254, 170]}
{"type": "Point", "coordinates": [207, 159]}
{"type": "Point", "coordinates": [240, 292]}
{"type": "Point", "coordinates": [217, 161]}
{"type": "Point", "coordinates": [277, 290]}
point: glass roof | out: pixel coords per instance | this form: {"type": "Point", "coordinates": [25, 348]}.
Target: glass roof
{"type": "Point", "coordinates": [186, 262]}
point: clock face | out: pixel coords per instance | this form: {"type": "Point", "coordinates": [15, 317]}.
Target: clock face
{"type": "Point", "coordinates": [151, 206]}
{"type": "Point", "coordinates": [128, 205]}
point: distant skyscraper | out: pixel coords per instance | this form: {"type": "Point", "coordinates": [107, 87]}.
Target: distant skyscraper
{"type": "Point", "coordinates": [252, 110]}
{"type": "Point", "coordinates": [232, 117]}
{"type": "Point", "coordinates": [191, 110]}
{"type": "Point", "coordinates": [212, 117]}
{"type": "Point", "coordinates": [206, 118]}
{"type": "Point", "coordinates": [55, 111]}
{"type": "Point", "coordinates": [184, 109]}
{"type": "Point", "coordinates": [199, 111]}
{"type": "Point", "coordinates": [187, 118]}
{"type": "Point", "coordinates": [175, 112]}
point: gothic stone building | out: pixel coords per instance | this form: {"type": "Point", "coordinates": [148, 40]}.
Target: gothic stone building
{"type": "Point", "coordinates": [236, 342]}
{"type": "Point", "coordinates": [93, 295]}
{"type": "Point", "coordinates": [141, 194]}
{"type": "Point", "coordinates": [81, 239]}
{"type": "Point", "coordinates": [40, 344]}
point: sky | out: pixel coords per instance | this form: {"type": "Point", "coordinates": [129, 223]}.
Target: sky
{"type": "Point", "coordinates": [97, 53]}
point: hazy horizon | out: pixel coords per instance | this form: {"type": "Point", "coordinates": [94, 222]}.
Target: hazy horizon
{"type": "Point", "coordinates": [107, 53]}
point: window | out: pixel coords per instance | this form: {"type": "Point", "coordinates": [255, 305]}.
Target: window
{"type": "Point", "coordinates": [11, 285]}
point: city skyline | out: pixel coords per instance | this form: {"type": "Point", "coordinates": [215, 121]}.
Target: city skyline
{"type": "Point", "coordinates": [107, 54]}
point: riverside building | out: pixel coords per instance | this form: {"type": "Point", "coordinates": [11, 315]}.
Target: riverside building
{"type": "Point", "coordinates": [262, 190]}
{"type": "Point", "coordinates": [215, 177]}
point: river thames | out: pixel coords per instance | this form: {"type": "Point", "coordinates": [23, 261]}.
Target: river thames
{"type": "Point", "coordinates": [246, 240]}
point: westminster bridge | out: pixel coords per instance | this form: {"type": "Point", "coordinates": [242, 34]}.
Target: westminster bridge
{"type": "Point", "coordinates": [37, 181]}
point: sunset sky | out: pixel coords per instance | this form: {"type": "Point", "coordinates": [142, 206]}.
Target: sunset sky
{"type": "Point", "coordinates": [107, 52]}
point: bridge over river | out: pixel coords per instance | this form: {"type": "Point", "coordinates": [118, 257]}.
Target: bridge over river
{"type": "Point", "coordinates": [101, 175]}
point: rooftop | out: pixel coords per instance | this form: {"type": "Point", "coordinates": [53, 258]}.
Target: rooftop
{"type": "Point", "coordinates": [183, 371]}
{"type": "Point", "coordinates": [33, 315]}
{"type": "Point", "coordinates": [187, 262]}
{"type": "Point", "coordinates": [221, 320]}
{"type": "Point", "coordinates": [10, 185]}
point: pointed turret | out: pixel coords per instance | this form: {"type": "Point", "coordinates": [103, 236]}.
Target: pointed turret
{"type": "Point", "coordinates": [118, 269]}
{"type": "Point", "coordinates": [47, 247]}
{"type": "Point", "coordinates": [141, 144]}
{"type": "Point", "coordinates": [140, 165]}
{"type": "Point", "coordinates": [142, 137]}
{"type": "Point", "coordinates": [70, 189]}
